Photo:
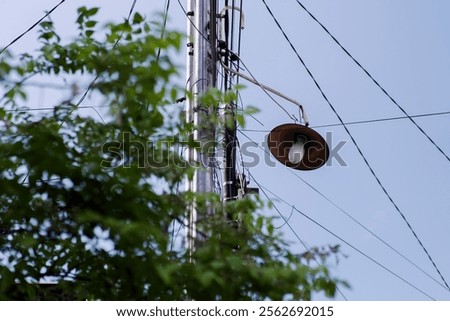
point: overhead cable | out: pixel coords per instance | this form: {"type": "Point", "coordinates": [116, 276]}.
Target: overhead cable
{"type": "Point", "coordinates": [346, 213]}
{"type": "Point", "coordinates": [32, 26]}
{"type": "Point", "coordinates": [262, 188]}
{"type": "Point", "coordinates": [369, 121]}
{"type": "Point", "coordinates": [374, 81]}
{"type": "Point", "coordinates": [286, 222]}
{"type": "Point", "coordinates": [357, 146]}
{"type": "Point", "coordinates": [163, 30]}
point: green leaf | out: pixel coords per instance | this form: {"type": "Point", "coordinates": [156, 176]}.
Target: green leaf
{"type": "Point", "coordinates": [251, 110]}
{"type": "Point", "coordinates": [46, 25]}
{"type": "Point", "coordinates": [91, 12]}
{"type": "Point", "coordinates": [89, 33]}
{"type": "Point", "coordinates": [137, 18]}
{"type": "Point", "coordinates": [47, 35]}
{"type": "Point", "coordinates": [240, 119]}
{"type": "Point", "coordinates": [91, 23]}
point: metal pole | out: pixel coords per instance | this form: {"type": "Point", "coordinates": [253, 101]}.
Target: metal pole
{"type": "Point", "coordinates": [199, 81]}
{"type": "Point", "coordinates": [230, 186]}
{"type": "Point", "coordinates": [230, 191]}
{"type": "Point", "coordinates": [190, 225]}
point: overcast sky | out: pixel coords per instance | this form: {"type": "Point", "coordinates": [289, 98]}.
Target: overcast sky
{"type": "Point", "coordinates": [404, 45]}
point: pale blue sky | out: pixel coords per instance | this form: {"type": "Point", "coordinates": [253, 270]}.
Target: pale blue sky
{"type": "Point", "coordinates": [404, 45]}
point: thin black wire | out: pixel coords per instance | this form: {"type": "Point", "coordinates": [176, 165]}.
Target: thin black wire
{"type": "Point", "coordinates": [233, 15]}
{"type": "Point", "coordinates": [173, 235]}
{"type": "Point", "coordinates": [374, 80]}
{"type": "Point", "coordinates": [386, 119]}
{"type": "Point", "coordinates": [239, 38]}
{"type": "Point", "coordinates": [444, 113]}
{"type": "Point", "coordinates": [362, 121]}
{"type": "Point", "coordinates": [42, 85]}
{"type": "Point", "coordinates": [25, 109]}
{"type": "Point", "coordinates": [241, 10]}
{"type": "Point", "coordinates": [352, 218]}
{"type": "Point", "coordinates": [32, 27]}
{"type": "Point", "coordinates": [287, 220]}
{"type": "Point", "coordinates": [163, 31]}
{"type": "Point", "coordinates": [357, 146]}
{"type": "Point", "coordinates": [291, 228]}
{"type": "Point", "coordinates": [369, 231]}
{"type": "Point", "coordinates": [342, 240]}
{"type": "Point", "coordinates": [131, 9]}
{"type": "Point", "coordinates": [228, 79]}
{"type": "Point", "coordinates": [192, 22]}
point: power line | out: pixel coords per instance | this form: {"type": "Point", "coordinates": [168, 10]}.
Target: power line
{"type": "Point", "coordinates": [45, 108]}
{"type": "Point", "coordinates": [369, 231]}
{"type": "Point", "coordinates": [131, 9]}
{"type": "Point", "coordinates": [241, 8]}
{"type": "Point", "coordinates": [356, 145]}
{"type": "Point", "coordinates": [343, 240]}
{"type": "Point", "coordinates": [192, 22]}
{"type": "Point", "coordinates": [32, 27]}
{"type": "Point", "coordinates": [374, 81]}
{"type": "Point", "coordinates": [386, 119]}
{"type": "Point", "coordinates": [163, 31]}
{"type": "Point", "coordinates": [94, 108]}
{"type": "Point", "coordinates": [42, 85]}
{"type": "Point", "coordinates": [353, 218]}
{"type": "Point", "coordinates": [369, 121]}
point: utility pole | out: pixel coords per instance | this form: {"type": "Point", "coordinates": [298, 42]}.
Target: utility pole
{"type": "Point", "coordinates": [205, 51]}
{"type": "Point", "coordinates": [210, 41]}
{"type": "Point", "coordinates": [230, 191]}
{"type": "Point", "coordinates": [201, 75]}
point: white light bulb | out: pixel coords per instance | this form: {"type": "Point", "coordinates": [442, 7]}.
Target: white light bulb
{"type": "Point", "coordinates": [297, 151]}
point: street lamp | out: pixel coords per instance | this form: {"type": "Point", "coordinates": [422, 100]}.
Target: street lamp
{"type": "Point", "coordinates": [298, 146]}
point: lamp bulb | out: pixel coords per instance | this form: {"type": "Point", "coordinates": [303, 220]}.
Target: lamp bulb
{"type": "Point", "coordinates": [297, 150]}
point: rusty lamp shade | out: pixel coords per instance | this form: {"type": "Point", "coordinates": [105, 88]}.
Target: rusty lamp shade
{"type": "Point", "coordinates": [282, 138]}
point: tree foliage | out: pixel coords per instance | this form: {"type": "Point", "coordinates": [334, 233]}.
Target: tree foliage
{"type": "Point", "coordinates": [92, 207]}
